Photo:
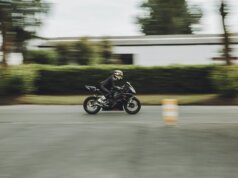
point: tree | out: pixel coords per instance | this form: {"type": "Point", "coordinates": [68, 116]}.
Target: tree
{"type": "Point", "coordinates": [18, 22]}
{"type": "Point", "coordinates": [84, 51]}
{"type": "Point", "coordinates": [105, 50]}
{"type": "Point", "coordinates": [226, 51]}
{"type": "Point", "coordinates": [168, 17]}
{"type": "Point", "coordinates": [65, 53]}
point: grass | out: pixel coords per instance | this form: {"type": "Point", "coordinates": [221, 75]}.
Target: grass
{"type": "Point", "coordinates": [194, 99]}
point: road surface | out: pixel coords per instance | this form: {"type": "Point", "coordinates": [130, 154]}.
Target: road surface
{"type": "Point", "coordinates": [65, 142]}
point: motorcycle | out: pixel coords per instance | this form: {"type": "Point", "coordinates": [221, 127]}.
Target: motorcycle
{"type": "Point", "coordinates": [122, 99]}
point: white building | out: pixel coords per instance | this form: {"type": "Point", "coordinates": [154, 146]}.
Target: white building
{"type": "Point", "coordinates": [163, 50]}
{"type": "Point", "coordinates": [159, 50]}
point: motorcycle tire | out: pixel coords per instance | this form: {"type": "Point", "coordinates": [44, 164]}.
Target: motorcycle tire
{"type": "Point", "coordinates": [134, 103]}
{"type": "Point", "coordinates": [86, 105]}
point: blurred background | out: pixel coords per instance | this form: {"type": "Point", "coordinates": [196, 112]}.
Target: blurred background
{"type": "Point", "coordinates": [162, 43]}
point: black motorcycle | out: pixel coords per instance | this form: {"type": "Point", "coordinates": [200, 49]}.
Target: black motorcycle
{"type": "Point", "coordinates": [122, 99]}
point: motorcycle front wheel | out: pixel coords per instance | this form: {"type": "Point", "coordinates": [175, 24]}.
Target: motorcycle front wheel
{"type": "Point", "coordinates": [90, 106]}
{"type": "Point", "coordinates": [133, 106]}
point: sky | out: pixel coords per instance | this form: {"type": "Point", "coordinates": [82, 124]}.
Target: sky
{"type": "Point", "coordinates": [71, 18]}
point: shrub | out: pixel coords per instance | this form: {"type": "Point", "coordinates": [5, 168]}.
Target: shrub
{"type": "Point", "coordinates": [40, 57]}
{"type": "Point", "coordinates": [16, 81]}
{"type": "Point", "coordinates": [105, 50]}
{"type": "Point", "coordinates": [225, 80]}
{"type": "Point", "coordinates": [2, 83]}
{"type": "Point", "coordinates": [84, 52]}
{"type": "Point", "coordinates": [65, 53]}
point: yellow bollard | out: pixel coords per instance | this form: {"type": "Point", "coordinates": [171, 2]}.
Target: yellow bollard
{"type": "Point", "coordinates": [170, 111]}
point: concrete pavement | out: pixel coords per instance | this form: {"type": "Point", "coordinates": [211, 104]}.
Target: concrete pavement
{"type": "Point", "coordinates": [63, 141]}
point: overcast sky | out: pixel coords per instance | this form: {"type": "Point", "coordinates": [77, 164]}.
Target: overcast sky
{"type": "Point", "coordinates": [116, 18]}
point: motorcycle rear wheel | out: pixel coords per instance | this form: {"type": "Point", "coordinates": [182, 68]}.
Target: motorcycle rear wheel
{"type": "Point", "coordinates": [89, 105]}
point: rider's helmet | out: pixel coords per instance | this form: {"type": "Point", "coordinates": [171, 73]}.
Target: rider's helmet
{"type": "Point", "coordinates": [117, 74]}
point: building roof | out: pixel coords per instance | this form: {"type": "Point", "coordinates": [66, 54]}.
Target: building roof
{"type": "Point", "coordinates": [151, 40]}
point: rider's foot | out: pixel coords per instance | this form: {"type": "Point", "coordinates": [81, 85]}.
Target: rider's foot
{"type": "Point", "coordinates": [102, 102]}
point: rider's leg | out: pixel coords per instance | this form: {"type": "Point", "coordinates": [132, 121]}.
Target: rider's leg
{"type": "Point", "coordinates": [106, 95]}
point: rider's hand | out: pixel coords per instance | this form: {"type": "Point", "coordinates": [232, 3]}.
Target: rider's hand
{"type": "Point", "coordinates": [118, 88]}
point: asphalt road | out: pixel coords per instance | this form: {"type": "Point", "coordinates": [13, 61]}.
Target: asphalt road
{"type": "Point", "coordinates": [65, 142]}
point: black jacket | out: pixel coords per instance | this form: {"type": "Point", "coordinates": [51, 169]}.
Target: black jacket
{"type": "Point", "coordinates": [107, 84]}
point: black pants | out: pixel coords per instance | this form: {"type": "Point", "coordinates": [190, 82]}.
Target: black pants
{"type": "Point", "coordinates": [106, 92]}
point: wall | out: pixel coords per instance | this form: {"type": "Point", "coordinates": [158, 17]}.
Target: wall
{"type": "Point", "coordinates": [169, 55]}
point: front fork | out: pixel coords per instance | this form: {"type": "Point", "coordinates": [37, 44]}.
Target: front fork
{"type": "Point", "coordinates": [129, 101]}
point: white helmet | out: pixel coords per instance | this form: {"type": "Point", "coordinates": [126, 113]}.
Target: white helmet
{"type": "Point", "coordinates": [118, 74]}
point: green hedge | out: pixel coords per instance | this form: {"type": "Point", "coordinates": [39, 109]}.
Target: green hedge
{"type": "Point", "coordinates": [225, 80]}
{"type": "Point", "coordinates": [172, 79]}
{"type": "Point", "coordinates": [46, 79]}
{"type": "Point", "coordinates": [17, 81]}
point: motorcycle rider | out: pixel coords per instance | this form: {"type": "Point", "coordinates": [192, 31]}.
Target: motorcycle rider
{"type": "Point", "coordinates": [108, 85]}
